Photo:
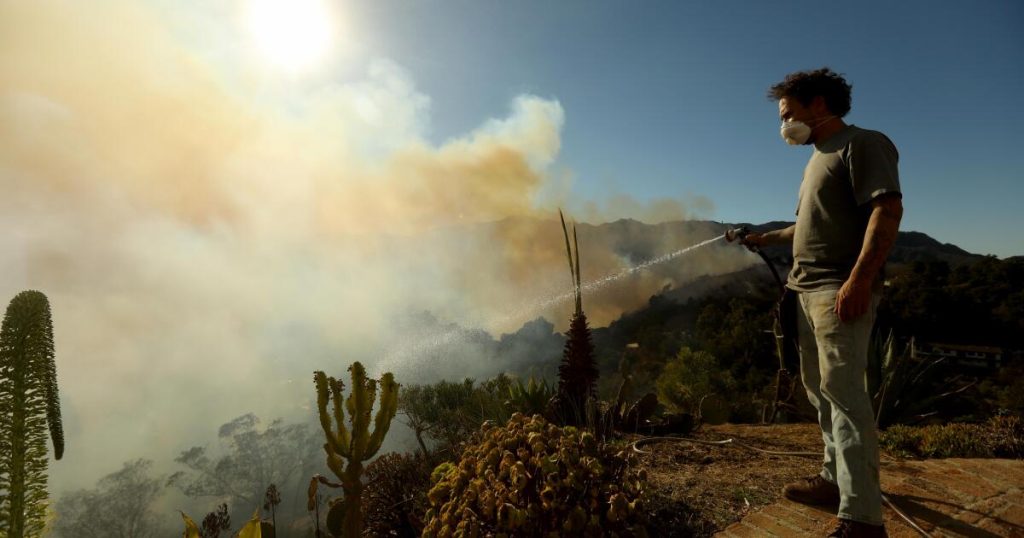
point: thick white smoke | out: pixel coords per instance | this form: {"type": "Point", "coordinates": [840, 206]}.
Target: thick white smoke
{"type": "Point", "coordinates": [204, 248]}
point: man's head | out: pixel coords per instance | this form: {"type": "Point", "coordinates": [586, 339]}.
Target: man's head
{"type": "Point", "coordinates": [812, 98]}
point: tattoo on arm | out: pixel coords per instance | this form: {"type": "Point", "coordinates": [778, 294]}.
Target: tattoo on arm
{"type": "Point", "coordinates": [879, 237]}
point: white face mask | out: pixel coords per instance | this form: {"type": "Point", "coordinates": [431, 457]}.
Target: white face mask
{"type": "Point", "coordinates": [796, 133]}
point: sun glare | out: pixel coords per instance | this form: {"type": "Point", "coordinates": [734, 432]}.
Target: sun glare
{"type": "Point", "coordinates": [291, 35]}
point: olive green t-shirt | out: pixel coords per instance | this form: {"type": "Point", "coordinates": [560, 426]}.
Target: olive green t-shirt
{"type": "Point", "coordinates": [844, 174]}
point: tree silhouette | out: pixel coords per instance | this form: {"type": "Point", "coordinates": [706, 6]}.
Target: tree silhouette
{"type": "Point", "coordinates": [120, 505]}
{"type": "Point", "coordinates": [29, 401]}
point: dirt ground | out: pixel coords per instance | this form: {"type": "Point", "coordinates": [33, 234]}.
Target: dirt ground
{"type": "Point", "coordinates": [698, 489]}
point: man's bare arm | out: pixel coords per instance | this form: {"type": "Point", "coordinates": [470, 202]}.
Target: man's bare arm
{"type": "Point", "coordinates": [782, 236]}
{"type": "Point", "coordinates": [883, 225]}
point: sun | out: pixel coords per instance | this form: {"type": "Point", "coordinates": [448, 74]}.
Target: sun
{"type": "Point", "coordinates": [291, 35]}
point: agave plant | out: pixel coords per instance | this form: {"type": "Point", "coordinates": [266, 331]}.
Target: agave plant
{"type": "Point", "coordinates": [905, 391]}
{"type": "Point", "coordinates": [531, 398]}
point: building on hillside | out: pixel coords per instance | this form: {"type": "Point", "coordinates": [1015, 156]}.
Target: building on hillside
{"type": "Point", "coordinates": [976, 357]}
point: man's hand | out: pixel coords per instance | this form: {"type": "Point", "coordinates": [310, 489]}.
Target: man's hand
{"type": "Point", "coordinates": [753, 239]}
{"type": "Point", "coordinates": [774, 237]}
{"type": "Point", "coordinates": [853, 299]}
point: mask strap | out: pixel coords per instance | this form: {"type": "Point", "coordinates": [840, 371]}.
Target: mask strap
{"type": "Point", "coordinates": [822, 122]}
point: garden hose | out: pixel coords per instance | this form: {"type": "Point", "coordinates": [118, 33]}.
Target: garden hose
{"type": "Point", "coordinates": [727, 442]}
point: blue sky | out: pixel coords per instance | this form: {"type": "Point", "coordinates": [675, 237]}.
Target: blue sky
{"type": "Point", "coordinates": [667, 99]}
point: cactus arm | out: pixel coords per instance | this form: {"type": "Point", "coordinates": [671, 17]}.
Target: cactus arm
{"type": "Point", "coordinates": [370, 397]}
{"type": "Point", "coordinates": [334, 463]}
{"type": "Point", "coordinates": [320, 381]}
{"type": "Point", "coordinates": [342, 440]}
{"type": "Point", "coordinates": [388, 408]}
{"type": "Point", "coordinates": [322, 397]}
{"type": "Point", "coordinates": [356, 404]}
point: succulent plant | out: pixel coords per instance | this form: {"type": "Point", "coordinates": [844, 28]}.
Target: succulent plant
{"type": "Point", "coordinates": [348, 447]}
{"type": "Point", "coordinates": [29, 405]}
{"type": "Point", "coordinates": [533, 478]}
{"type": "Point", "coordinates": [530, 398]}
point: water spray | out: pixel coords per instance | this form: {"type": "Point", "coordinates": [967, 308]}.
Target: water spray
{"type": "Point", "coordinates": [436, 341]}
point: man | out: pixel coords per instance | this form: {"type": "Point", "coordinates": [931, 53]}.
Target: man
{"type": "Point", "coordinates": [848, 212]}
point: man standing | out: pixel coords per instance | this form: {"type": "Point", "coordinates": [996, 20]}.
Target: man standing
{"type": "Point", "coordinates": [848, 212]}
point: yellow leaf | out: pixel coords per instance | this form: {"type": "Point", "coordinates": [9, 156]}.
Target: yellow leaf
{"type": "Point", "coordinates": [252, 528]}
{"type": "Point", "coordinates": [191, 530]}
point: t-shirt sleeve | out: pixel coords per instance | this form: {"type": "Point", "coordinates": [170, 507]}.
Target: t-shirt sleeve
{"type": "Point", "coordinates": [873, 167]}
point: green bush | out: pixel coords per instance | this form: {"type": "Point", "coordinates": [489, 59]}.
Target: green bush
{"type": "Point", "coordinates": [1006, 436]}
{"type": "Point", "coordinates": [447, 413]}
{"type": "Point", "coordinates": [955, 441]}
{"type": "Point", "coordinates": [532, 478]}
{"type": "Point", "coordinates": [689, 377]}
{"type": "Point", "coordinates": [901, 440]}
{"type": "Point", "coordinates": [1001, 436]}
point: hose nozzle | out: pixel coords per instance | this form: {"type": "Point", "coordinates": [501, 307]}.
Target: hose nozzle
{"type": "Point", "coordinates": [737, 233]}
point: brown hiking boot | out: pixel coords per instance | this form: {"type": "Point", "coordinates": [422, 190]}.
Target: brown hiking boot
{"type": "Point", "coordinates": [814, 490]}
{"type": "Point", "coordinates": [856, 529]}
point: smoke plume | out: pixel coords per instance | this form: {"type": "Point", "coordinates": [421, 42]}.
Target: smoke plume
{"type": "Point", "coordinates": [205, 247]}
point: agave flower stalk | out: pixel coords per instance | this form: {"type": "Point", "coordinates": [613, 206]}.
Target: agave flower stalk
{"type": "Point", "coordinates": [577, 374]}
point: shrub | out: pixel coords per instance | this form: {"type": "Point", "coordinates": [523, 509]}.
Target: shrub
{"type": "Point", "coordinates": [532, 478]}
{"type": "Point", "coordinates": [396, 494]}
{"type": "Point", "coordinates": [954, 441]}
{"type": "Point", "coordinates": [901, 440]}
{"type": "Point", "coordinates": [1006, 436]}
{"type": "Point", "coordinates": [689, 377]}
{"type": "Point", "coordinates": [447, 413]}
{"type": "Point", "coordinates": [1002, 436]}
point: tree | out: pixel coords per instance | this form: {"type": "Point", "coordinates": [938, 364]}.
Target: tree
{"type": "Point", "coordinates": [448, 412]}
{"type": "Point", "coordinates": [119, 506]}
{"type": "Point", "coordinates": [737, 337]}
{"type": "Point", "coordinates": [688, 378]}
{"type": "Point", "coordinates": [250, 459]}
{"type": "Point", "coordinates": [216, 522]}
{"type": "Point", "coordinates": [435, 410]}
{"type": "Point", "coordinates": [271, 499]}
{"type": "Point", "coordinates": [29, 401]}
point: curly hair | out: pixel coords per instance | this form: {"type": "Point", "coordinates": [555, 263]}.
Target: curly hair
{"type": "Point", "coordinates": [804, 86]}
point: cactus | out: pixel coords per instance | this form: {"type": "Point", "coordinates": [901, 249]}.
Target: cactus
{"type": "Point", "coordinates": [29, 402]}
{"type": "Point", "coordinates": [348, 447]}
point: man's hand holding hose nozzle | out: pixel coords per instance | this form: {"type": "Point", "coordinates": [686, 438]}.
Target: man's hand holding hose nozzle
{"type": "Point", "coordinates": [749, 239]}
{"type": "Point", "coordinates": [755, 240]}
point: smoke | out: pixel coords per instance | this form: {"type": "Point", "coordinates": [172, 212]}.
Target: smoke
{"type": "Point", "coordinates": [205, 247]}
